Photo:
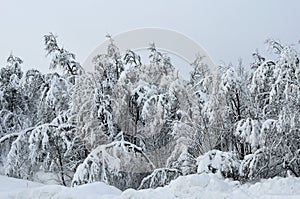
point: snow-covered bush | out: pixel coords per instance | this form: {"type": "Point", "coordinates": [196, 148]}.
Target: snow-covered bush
{"type": "Point", "coordinates": [159, 178]}
{"type": "Point", "coordinates": [120, 163]}
{"type": "Point", "coordinates": [255, 166]}
{"type": "Point", "coordinates": [215, 161]}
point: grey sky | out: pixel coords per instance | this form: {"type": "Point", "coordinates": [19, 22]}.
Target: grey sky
{"type": "Point", "coordinates": [227, 29]}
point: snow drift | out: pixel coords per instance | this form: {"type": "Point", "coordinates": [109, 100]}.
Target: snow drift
{"type": "Point", "coordinates": [192, 186]}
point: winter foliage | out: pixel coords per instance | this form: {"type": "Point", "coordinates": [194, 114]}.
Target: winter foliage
{"type": "Point", "coordinates": [136, 123]}
{"type": "Point", "coordinates": [119, 163]}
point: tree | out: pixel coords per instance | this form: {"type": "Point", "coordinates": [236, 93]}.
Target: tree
{"type": "Point", "coordinates": [45, 147]}
{"type": "Point", "coordinates": [238, 104]}
{"type": "Point", "coordinates": [12, 106]}
{"type": "Point", "coordinates": [144, 106]}
{"type": "Point", "coordinates": [91, 112]}
{"type": "Point", "coordinates": [10, 77]}
{"type": "Point", "coordinates": [274, 87]}
{"type": "Point", "coordinates": [32, 85]}
{"type": "Point", "coordinates": [109, 66]}
{"type": "Point", "coordinates": [203, 87]}
{"type": "Point", "coordinates": [62, 58]}
{"type": "Point", "coordinates": [55, 97]}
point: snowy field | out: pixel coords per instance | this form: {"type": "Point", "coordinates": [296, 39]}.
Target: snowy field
{"type": "Point", "coordinates": [188, 187]}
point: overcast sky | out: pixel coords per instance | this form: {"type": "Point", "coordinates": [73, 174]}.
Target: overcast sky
{"type": "Point", "coordinates": [227, 29]}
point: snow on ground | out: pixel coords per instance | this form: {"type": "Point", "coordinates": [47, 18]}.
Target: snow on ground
{"type": "Point", "coordinates": [195, 186]}
{"type": "Point", "coordinates": [9, 187]}
{"type": "Point", "coordinates": [23, 189]}
{"type": "Point", "coordinates": [210, 186]}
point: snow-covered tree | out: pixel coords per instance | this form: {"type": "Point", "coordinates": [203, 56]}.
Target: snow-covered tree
{"type": "Point", "coordinates": [275, 90]}
{"type": "Point", "coordinates": [163, 61]}
{"type": "Point", "coordinates": [18, 164]}
{"type": "Point", "coordinates": [91, 112]}
{"type": "Point", "coordinates": [12, 105]}
{"type": "Point", "coordinates": [237, 106]}
{"type": "Point", "coordinates": [204, 85]}
{"type": "Point", "coordinates": [43, 148]}
{"type": "Point", "coordinates": [62, 58]}
{"type": "Point", "coordinates": [32, 86]}
{"type": "Point", "coordinates": [109, 66]}
{"type": "Point", "coordinates": [119, 163]}
{"type": "Point", "coordinates": [11, 96]}
{"type": "Point", "coordinates": [141, 95]}
{"type": "Point", "coordinates": [55, 97]}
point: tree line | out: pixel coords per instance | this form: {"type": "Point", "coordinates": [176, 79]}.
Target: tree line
{"type": "Point", "coordinates": [140, 125]}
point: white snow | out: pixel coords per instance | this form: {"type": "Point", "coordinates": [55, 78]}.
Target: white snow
{"type": "Point", "coordinates": [189, 187]}
{"type": "Point", "coordinates": [23, 189]}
